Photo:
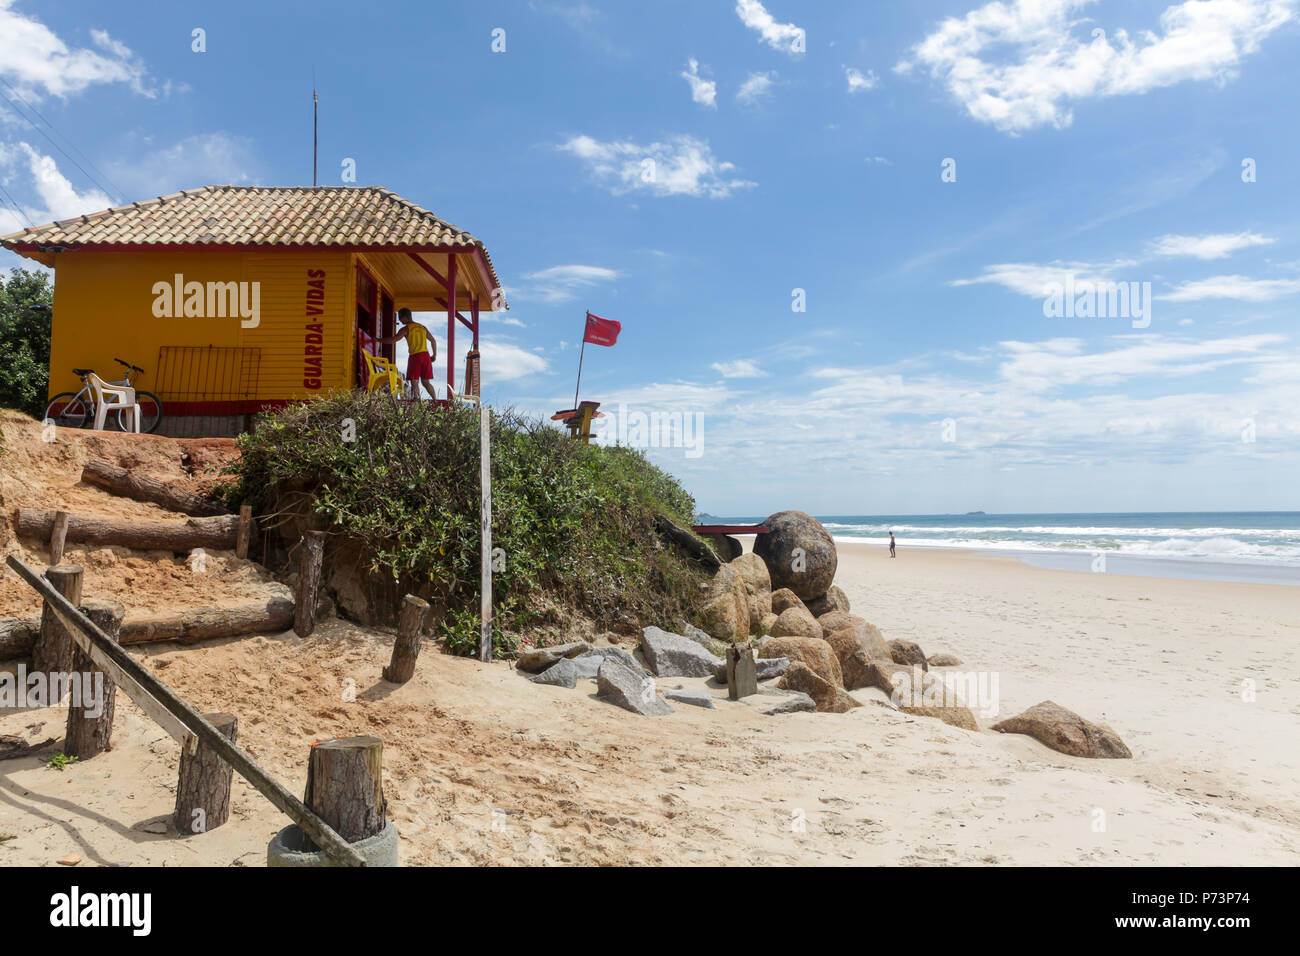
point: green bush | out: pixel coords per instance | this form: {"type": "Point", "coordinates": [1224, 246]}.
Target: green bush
{"type": "Point", "coordinates": [25, 300]}
{"type": "Point", "coordinates": [574, 522]}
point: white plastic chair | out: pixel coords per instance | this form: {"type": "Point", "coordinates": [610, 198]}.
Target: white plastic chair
{"type": "Point", "coordinates": [114, 397]}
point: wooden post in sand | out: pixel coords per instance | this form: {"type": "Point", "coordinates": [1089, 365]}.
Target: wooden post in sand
{"type": "Point", "coordinates": [415, 612]}
{"type": "Point", "coordinates": [485, 529]}
{"type": "Point", "coordinates": [742, 679]}
{"type": "Point", "coordinates": [345, 786]}
{"type": "Point", "coordinates": [244, 531]}
{"type": "Point", "coordinates": [89, 736]}
{"type": "Point", "coordinates": [309, 567]}
{"type": "Point", "coordinates": [53, 650]}
{"type": "Point", "coordinates": [58, 536]}
{"type": "Point", "coordinates": [203, 788]}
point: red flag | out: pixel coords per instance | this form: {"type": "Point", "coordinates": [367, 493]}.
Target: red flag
{"type": "Point", "coordinates": [601, 331]}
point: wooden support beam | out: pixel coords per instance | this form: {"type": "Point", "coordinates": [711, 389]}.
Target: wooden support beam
{"type": "Point", "coordinates": [406, 649]}
{"type": "Point", "coordinates": [180, 720]}
{"type": "Point", "coordinates": [485, 533]}
{"type": "Point", "coordinates": [345, 785]}
{"type": "Point", "coordinates": [88, 736]}
{"type": "Point", "coordinates": [203, 785]}
{"type": "Point", "coordinates": [244, 531]}
{"type": "Point", "coordinates": [211, 534]}
{"type": "Point", "coordinates": [58, 536]}
{"type": "Point", "coordinates": [310, 557]}
{"type": "Point", "coordinates": [451, 326]}
{"type": "Point", "coordinates": [437, 276]}
{"type": "Point", "coordinates": [53, 650]}
{"type": "Point", "coordinates": [130, 484]}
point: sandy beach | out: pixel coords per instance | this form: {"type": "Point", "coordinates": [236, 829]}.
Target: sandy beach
{"type": "Point", "coordinates": [483, 767]}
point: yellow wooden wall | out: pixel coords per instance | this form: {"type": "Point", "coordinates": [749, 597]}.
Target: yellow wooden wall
{"type": "Point", "coordinates": [104, 301]}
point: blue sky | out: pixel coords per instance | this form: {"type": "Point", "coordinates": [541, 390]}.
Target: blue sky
{"type": "Point", "coordinates": [699, 170]}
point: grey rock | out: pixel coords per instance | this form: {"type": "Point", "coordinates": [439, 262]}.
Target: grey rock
{"type": "Point", "coordinates": [539, 658]}
{"type": "Point", "coordinates": [696, 698]}
{"type": "Point", "coordinates": [671, 655]}
{"type": "Point", "coordinates": [588, 664]}
{"type": "Point", "coordinates": [701, 637]}
{"type": "Point", "coordinates": [630, 689]}
{"type": "Point", "coordinates": [563, 673]}
{"type": "Point", "coordinates": [791, 702]}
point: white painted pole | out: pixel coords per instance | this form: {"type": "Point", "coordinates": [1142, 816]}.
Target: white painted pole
{"type": "Point", "coordinates": [485, 528]}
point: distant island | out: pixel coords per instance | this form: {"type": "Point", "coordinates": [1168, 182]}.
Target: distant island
{"type": "Point", "coordinates": [974, 513]}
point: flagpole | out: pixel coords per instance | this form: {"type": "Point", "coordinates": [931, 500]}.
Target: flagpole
{"type": "Point", "coordinates": [581, 353]}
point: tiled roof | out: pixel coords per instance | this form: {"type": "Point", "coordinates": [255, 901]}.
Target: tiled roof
{"type": "Point", "coordinates": [340, 216]}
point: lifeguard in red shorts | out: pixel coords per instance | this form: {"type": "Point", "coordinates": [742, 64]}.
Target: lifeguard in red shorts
{"type": "Point", "coordinates": [422, 348]}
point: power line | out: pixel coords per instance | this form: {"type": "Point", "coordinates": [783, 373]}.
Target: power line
{"type": "Point", "coordinates": [19, 209]}
{"type": "Point", "coordinates": [98, 185]}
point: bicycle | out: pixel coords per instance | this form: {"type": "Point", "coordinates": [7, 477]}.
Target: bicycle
{"type": "Point", "coordinates": [69, 410]}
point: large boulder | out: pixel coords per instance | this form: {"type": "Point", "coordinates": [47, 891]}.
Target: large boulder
{"type": "Point", "coordinates": [725, 546]}
{"type": "Point", "coordinates": [833, 600]}
{"type": "Point", "coordinates": [943, 660]}
{"type": "Point", "coordinates": [1063, 730]}
{"type": "Point", "coordinates": [920, 694]}
{"type": "Point", "coordinates": [812, 651]}
{"type": "Point", "coordinates": [866, 634]}
{"type": "Point", "coordinates": [726, 605]}
{"type": "Point", "coordinates": [830, 698]}
{"type": "Point", "coordinates": [671, 655]}
{"type": "Point", "coordinates": [783, 598]}
{"type": "Point", "coordinates": [701, 637]}
{"type": "Point", "coordinates": [959, 717]}
{"type": "Point", "coordinates": [797, 622]}
{"type": "Point", "coordinates": [767, 624]}
{"type": "Point", "coordinates": [696, 698]}
{"type": "Point", "coordinates": [630, 689]}
{"type": "Point", "coordinates": [855, 663]}
{"type": "Point", "coordinates": [799, 553]}
{"type": "Point", "coordinates": [788, 702]}
{"type": "Point", "coordinates": [908, 653]}
{"type": "Point", "coordinates": [758, 588]}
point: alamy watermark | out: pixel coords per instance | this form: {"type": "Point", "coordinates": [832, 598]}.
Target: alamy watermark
{"type": "Point", "coordinates": [655, 429]}
{"type": "Point", "coordinates": [211, 300]}
{"type": "Point", "coordinates": [1090, 299]}
{"type": "Point", "coordinates": [83, 689]}
{"type": "Point", "coordinates": [977, 690]}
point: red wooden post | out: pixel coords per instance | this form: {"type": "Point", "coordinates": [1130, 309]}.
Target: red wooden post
{"type": "Point", "coordinates": [473, 313]}
{"type": "Point", "coordinates": [451, 324]}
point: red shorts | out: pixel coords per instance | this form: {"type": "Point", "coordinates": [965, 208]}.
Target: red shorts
{"type": "Point", "coordinates": [419, 365]}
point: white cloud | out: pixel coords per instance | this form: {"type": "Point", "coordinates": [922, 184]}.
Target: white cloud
{"type": "Point", "coordinates": [740, 368]}
{"type": "Point", "coordinates": [779, 36]}
{"type": "Point", "coordinates": [704, 92]}
{"type": "Point", "coordinates": [1055, 363]}
{"type": "Point", "coordinates": [860, 82]}
{"type": "Point", "coordinates": [1033, 279]}
{"type": "Point", "coordinates": [679, 166]}
{"type": "Point", "coordinates": [1218, 246]}
{"type": "Point", "coordinates": [36, 61]}
{"type": "Point", "coordinates": [561, 283]}
{"type": "Point", "coordinates": [1242, 288]}
{"type": "Point", "coordinates": [504, 361]}
{"type": "Point", "coordinates": [55, 197]}
{"type": "Point", "coordinates": [1023, 64]}
{"type": "Point", "coordinates": [755, 87]}
{"type": "Point", "coordinates": [156, 169]}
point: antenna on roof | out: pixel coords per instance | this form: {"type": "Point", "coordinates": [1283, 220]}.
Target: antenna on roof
{"type": "Point", "coordinates": [315, 126]}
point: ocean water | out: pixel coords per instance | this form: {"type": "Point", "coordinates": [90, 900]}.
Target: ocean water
{"type": "Point", "coordinates": [1261, 546]}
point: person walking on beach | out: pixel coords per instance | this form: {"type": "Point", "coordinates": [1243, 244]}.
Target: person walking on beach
{"type": "Point", "coordinates": [422, 348]}
{"type": "Point", "coordinates": [891, 545]}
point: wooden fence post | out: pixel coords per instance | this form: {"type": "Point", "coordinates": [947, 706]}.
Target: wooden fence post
{"type": "Point", "coordinates": [58, 536]}
{"type": "Point", "coordinates": [742, 680]}
{"type": "Point", "coordinates": [203, 788]}
{"type": "Point", "coordinates": [244, 531]}
{"type": "Point", "coordinates": [89, 736]}
{"type": "Point", "coordinates": [309, 570]}
{"type": "Point", "coordinates": [415, 613]}
{"type": "Point", "coordinates": [53, 650]}
{"type": "Point", "coordinates": [485, 525]}
{"type": "Point", "coordinates": [345, 786]}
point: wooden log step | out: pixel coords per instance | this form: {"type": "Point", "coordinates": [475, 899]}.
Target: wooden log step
{"type": "Point", "coordinates": [213, 534]}
{"type": "Point", "coordinates": [269, 616]}
{"type": "Point", "coordinates": [131, 484]}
